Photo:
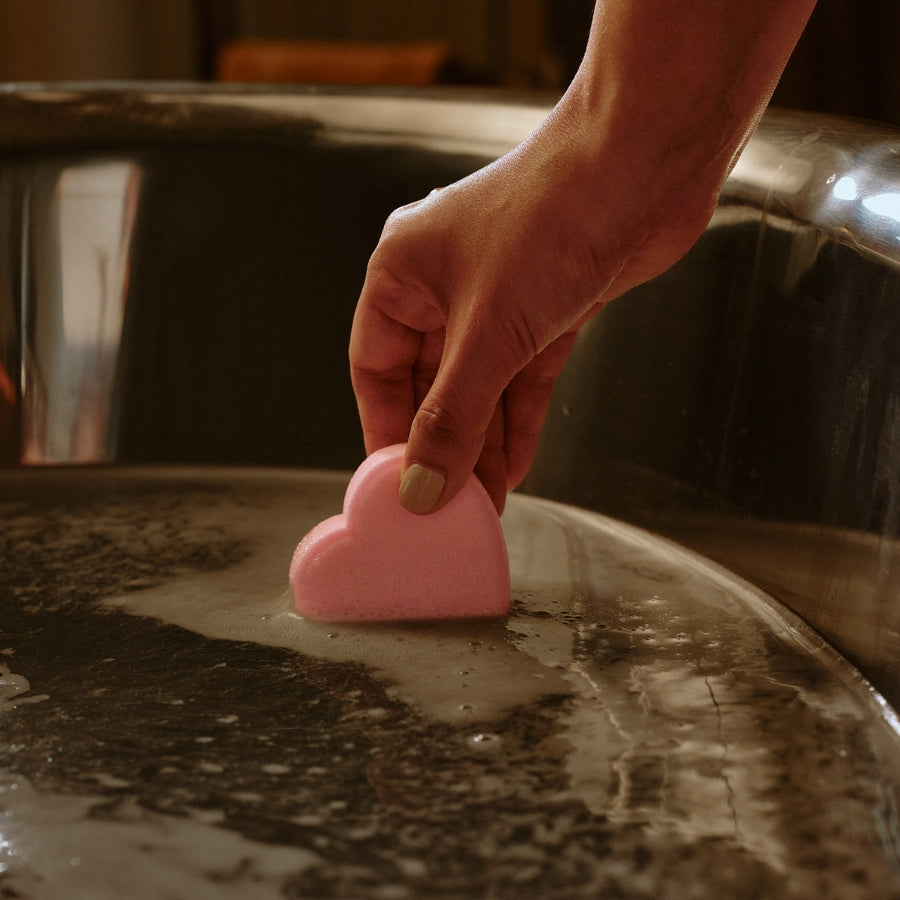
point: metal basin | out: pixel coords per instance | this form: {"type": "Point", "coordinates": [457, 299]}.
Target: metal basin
{"type": "Point", "coordinates": [643, 724]}
{"type": "Point", "coordinates": [181, 266]}
{"type": "Point", "coordinates": [746, 403]}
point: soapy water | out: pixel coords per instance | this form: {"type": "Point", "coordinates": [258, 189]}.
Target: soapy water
{"type": "Point", "coordinates": [574, 574]}
{"type": "Point", "coordinates": [504, 664]}
{"type": "Point", "coordinates": [686, 704]}
{"type": "Point", "coordinates": [51, 846]}
{"type": "Point", "coordinates": [653, 645]}
{"type": "Point", "coordinates": [15, 690]}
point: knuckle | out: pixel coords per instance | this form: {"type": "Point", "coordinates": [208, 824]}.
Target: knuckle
{"type": "Point", "coordinates": [444, 426]}
{"type": "Point", "coordinates": [435, 419]}
{"type": "Point", "coordinates": [522, 340]}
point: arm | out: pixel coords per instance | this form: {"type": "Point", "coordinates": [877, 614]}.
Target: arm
{"type": "Point", "coordinates": [473, 297]}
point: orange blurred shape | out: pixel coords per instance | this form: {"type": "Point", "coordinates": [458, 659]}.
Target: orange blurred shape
{"type": "Point", "coordinates": [325, 62]}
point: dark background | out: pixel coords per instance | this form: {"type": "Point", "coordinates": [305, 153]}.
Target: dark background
{"type": "Point", "coordinates": [846, 62]}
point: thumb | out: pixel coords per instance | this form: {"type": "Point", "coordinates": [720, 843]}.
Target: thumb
{"type": "Point", "coordinates": [448, 435]}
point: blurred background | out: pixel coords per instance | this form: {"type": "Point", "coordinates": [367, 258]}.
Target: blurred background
{"type": "Point", "coordinates": [846, 62]}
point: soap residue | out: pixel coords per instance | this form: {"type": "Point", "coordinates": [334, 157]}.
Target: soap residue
{"type": "Point", "coordinates": [671, 707]}
{"type": "Point", "coordinates": [456, 671]}
{"type": "Point", "coordinates": [51, 846]}
{"type": "Point", "coordinates": [573, 575]}
{"type": "Point", "coordinates": [15, 690]}
{"type": "Point", "coordinates": [565, 564]}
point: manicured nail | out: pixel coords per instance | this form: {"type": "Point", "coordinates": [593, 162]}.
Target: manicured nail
{"type": "Point", "coordinates": [421, 488]}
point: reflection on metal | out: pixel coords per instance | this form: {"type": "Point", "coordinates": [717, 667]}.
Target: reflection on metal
{"type": "Point", "coordinates": [762, 423]}
{"type": "Point", "coordinates": [77, 237]}
{"type": "Point", "coordinates": [746, 403]}
{"type": "Point", "coordinates": [837, 176]}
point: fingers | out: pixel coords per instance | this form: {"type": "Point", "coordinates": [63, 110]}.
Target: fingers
{"type": "Point", "coordinates": [395, 343]}
{"type": "Point", "coordinates": [526, 402]}
{"type": "Point", "coordinates": [459, 406]}
{"type": "Point", "coordinates": [457, 429]}
{"type": "Point", "coordinates": [442, 451]}
{"type": "Point", "coordinates": [381, 355]}
{"type": "Point", "coordinates": [491, 466]}
{"type": "Point", "coordinates": [398, 369]}
{"type": "Point", "coordinates": [438, 393]}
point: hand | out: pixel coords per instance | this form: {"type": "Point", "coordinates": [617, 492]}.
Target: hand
{"type": "Point", "coordinates": [474, 295]}
{"type": "Point", "coordinates": [471, 305]}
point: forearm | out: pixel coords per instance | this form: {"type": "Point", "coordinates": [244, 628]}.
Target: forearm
{"type": "Point", "coordinates": [474, 294]}
{"type": "Point", "coordinates": [667, 95]}
{"type": "Point", "coordinates": [669, 71]}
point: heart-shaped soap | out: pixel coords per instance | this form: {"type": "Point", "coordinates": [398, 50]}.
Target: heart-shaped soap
{"type": "Point", "coordinates": [378, 561]}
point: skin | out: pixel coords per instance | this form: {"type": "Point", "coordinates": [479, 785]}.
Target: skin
{"type": "Point", "coordinates": [474, 295]}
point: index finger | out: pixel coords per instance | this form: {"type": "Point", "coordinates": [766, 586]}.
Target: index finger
{"type": "Point", "coordinates": [382, 356]}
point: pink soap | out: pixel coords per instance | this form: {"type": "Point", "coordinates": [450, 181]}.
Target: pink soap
{"type": "Point", "coordinates": [378, 561]}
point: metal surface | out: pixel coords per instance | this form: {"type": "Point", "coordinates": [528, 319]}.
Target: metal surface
{"type": "Point", "coordinates": [642, 725]}
{"type": "Point", "coordinates": [180, 269]}
{"type": "Point", "coordinates": [748, 402]}
{"type": "Point", "coordinates": [181, 266]}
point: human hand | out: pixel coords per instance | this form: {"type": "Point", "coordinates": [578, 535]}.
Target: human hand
{"type": "Point", "coordinates": [471, 305]}
{"type": "Point", "coordinates": [474, 295]}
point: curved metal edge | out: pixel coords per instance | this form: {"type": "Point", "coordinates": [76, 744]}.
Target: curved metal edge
{"type": "Point", "coordinates": [64, 116]}
{"type": "Point", "coordinates": [838, 175]}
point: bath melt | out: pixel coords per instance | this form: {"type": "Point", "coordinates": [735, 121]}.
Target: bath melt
{"type": "Point", "coordinates": [377, 561]}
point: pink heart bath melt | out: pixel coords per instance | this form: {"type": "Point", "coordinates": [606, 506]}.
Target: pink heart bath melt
{"type": "Point", "coordinates": [377, 561]}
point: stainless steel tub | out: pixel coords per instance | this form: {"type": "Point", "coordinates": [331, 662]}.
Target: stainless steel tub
{"type": "Point", "coordinates": [748, 402]}
{"type": "Point", "coordinates": [643, 724]}
{"type": "Point", "coordinates": [180, 267]}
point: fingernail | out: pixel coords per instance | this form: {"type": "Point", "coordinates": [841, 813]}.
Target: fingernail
{"type": "Point", "coordinates": [421, 488]}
